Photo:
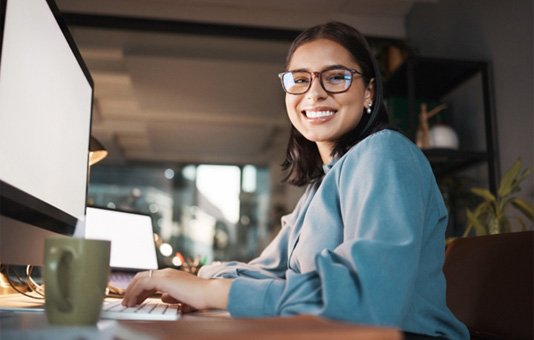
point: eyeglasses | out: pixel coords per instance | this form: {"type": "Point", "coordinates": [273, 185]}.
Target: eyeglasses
{"type": "Point", "coordinates": [336, 80]}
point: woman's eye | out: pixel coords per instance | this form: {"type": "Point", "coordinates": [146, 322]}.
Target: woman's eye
{"type": "Point", "coordinates": [301, 80]}
{"type": "Point", "coordinates": [336, 77]}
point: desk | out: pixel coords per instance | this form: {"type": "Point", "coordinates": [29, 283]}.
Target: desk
{"type": "Point", "coordinates": [194, 326]}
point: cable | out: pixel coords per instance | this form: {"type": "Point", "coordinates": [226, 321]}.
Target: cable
{"type": "Point", "coordinates": [38, 289]}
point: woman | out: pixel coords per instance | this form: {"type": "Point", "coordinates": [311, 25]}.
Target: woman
{"type": "Point", "coordinates": [365, 243]}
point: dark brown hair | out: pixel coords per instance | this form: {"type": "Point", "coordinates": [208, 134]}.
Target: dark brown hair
{"type": "Point", "coordinates": [303, 163]}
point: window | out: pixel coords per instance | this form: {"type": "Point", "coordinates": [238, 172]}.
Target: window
{"type": "Point", "coordinates": [199, 212]}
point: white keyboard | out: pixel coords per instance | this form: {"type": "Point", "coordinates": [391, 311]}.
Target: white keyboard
{"type": "Point", "coordinates": [150, 309]}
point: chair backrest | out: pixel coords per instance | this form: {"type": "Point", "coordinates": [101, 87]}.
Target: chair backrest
{"type": "Point", "coordinates": [490, 284]}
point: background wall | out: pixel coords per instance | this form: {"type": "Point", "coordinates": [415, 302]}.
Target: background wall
{"type": "Point", "coordinates": [495, 31]}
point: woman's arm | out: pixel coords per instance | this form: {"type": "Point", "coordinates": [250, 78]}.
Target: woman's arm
{"type": "Point", "coordinates": [211, 287]}
{"type": "Point", "coordinates": [272, 262]}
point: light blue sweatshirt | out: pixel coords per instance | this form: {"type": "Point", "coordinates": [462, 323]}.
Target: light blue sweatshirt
{"type": "Point", "coordinates": [364, 245]}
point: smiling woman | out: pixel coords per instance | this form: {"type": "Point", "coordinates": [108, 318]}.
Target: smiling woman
{"type": "Point", "coordinates": [365, 243]}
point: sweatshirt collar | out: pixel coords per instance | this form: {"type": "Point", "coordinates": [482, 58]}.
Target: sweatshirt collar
{"type": "Point", "coordinates": [327, 167]}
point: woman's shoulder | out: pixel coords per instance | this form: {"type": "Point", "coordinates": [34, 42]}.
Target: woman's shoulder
{"type": "Point", "coordinates": [385, 143]}
{"type": "Point", "coordinates": [386, 137]}
{"type": "Point", "coordinates": [385, 148]}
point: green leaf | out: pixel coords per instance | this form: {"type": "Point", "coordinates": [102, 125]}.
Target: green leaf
{"type": "Point", "coordinates": [526, 208]}
{"type": "Point", "coordinates": [490, 215]}
{"type": "Point", "coordinates": [473, 221]}
{"type": "Point", "coordinates": [524, 174]}
{"type": "Point", "coordinates": [467, 230]}
{"type": "Point", "coordinates": [485, 211]}
{"type": "Point", "coordinates": [509, 179]}
{"type": "Point", "coordinates": [484, 193]}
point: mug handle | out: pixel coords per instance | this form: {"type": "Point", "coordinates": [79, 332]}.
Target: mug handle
{"type": "Point", "coordinates": [55, 256]}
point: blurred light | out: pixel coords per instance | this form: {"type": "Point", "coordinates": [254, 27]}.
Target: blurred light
{"type": "Point", "coordinates": [245, 220]}
{"type": "Point", "coordinates": [220, 184]}
{"type": "Point", "coordinates": [189, 172]}
{"type": "Point", "coordinates": [153, 208]}
{"type": "Point", "coordinates": [249, 178]}
{"type": "Point", "coordinates": [178, 259]}
{"type": "Point", "coordinates": [111, 205]}
{"type": "Point", "coordinates": [169, 173]}
{"type": "Point", "coordinates": [165, 249]}
{"type": "Point", "coordinates": [136, 192]}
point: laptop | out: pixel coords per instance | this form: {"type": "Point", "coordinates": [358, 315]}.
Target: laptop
{"type": "Point", "coordinates": [132, 241]}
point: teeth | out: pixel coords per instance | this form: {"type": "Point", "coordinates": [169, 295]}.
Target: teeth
{"type": "Point", "coordinates": [318, 114]}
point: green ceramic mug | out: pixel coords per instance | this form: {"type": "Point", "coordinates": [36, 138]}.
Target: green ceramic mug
{"type": "Point", "coordinates": [76, 275]}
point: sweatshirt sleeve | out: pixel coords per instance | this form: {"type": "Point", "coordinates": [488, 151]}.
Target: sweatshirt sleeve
{"type": "Point", "coordinates": [271, 263]}
{"type": "Point", "coordinates": [382, 197]}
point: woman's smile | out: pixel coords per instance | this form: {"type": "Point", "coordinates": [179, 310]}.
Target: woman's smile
{"type": "Point", "coordinates": [321, 114]}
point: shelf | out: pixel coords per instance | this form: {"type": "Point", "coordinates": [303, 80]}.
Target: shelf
{"type": "Point", "coordinates": [432, 77]}
{"type": "Point", "coordinates": [447, 161]}
{"type": "Point", "coordinates": [429, 80]}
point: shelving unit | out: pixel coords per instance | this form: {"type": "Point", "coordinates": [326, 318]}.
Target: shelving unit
{"type": "Point", "coordinates": [422, 78]}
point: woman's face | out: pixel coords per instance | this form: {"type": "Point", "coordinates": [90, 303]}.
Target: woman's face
{"type": "Point", "coordinates": [340, 112]}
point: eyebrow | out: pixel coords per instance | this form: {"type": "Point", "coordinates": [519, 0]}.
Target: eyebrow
{"type": "Point", "coordinates": [330, 67]}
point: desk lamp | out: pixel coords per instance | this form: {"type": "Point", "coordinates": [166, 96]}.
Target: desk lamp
{"type": "Point", "coordinates": [97, 151]}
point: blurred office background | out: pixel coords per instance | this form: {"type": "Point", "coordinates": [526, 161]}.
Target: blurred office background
{"type": "Point", "coordinates": [189, 106]}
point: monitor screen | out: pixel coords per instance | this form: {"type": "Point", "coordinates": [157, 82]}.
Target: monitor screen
{"type": "Point", "coordinates": [46, 97]}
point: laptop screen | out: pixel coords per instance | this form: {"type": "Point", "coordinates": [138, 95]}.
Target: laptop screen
{"type": "Point", "coordinates": [131, 236]}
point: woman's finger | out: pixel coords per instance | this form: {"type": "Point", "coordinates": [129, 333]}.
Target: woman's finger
{"type": "Point", "coordinates": [187, 308]}
{"type": "Point", "coordinates": [142, 286]}
{"type": "Point", "coordinates": [167, 298]}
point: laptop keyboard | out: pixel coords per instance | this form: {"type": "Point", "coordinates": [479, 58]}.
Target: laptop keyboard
{"type": "Point", "coordinates": [121, 279]}
{"type": "Point", "coordinates": [150, 309]}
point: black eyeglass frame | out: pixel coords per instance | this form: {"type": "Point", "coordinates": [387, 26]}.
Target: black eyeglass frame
{"type": "Point", "coordinates": [318, 75]}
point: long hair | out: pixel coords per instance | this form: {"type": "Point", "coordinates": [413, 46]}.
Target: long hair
{"type": "Point", "coordinates": [303, 163]}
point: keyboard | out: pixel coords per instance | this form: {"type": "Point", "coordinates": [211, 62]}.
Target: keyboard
{"type": "Point", "coordinates": [150, 309]}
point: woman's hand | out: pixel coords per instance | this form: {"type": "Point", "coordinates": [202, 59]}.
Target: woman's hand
{"type": "Point", "coordinates": [178, 286]}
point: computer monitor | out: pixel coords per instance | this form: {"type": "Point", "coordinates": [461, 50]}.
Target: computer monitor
{"type": "Point", "coordinates": [46, 95]}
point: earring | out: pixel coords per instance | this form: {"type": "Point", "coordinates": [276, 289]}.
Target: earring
{"type": "Point", "coordinates": [369, 107]}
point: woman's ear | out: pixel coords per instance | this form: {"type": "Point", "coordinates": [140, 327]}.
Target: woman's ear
{"type": "Point", "coordinates": [370, 90]}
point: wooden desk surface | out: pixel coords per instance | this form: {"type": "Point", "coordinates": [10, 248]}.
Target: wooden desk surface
{"type": "Point", "coordinates": [294, 328]}
{"type": "Point", "coordinates": [193, 327]}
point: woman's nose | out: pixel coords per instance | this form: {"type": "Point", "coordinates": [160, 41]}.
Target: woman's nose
{"type": "Point", "coordinates": [316, 90]}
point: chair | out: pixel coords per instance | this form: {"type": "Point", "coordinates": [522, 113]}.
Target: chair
{"type": "Point", "coordinates": [490, 284]}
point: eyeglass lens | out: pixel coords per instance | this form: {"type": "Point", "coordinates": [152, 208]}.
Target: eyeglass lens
{"type": "Point", "coordinates": [333, 81]}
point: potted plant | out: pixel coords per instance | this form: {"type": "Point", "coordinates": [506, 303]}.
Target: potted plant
{"type": "Point", "coordinates": [491, 215]}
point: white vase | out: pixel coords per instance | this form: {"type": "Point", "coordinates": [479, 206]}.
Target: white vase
{"type": "Point", "coordinates": [443, 136]}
